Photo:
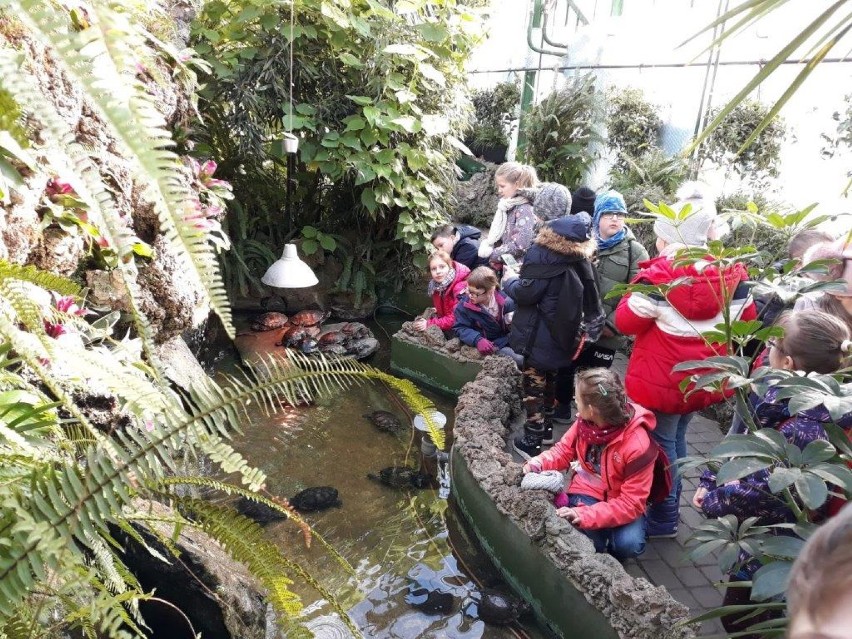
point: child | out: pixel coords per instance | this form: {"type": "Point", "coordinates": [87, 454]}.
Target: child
{"type": "Point", "coordinates": [669, 331]}
{"type": "Point", "coordinates": [837, 302]}
{"type": "Point", "coordinates": [558, 306]}
{"type": "Point", "coordinates": [461, 242]}
{"type": "Point", "coordinates": [813, 342]}
{"type": "Point", "coordinates": [481, 315]}
{"type": "Point", "coordinates": [618, 258]}
{"type": "Point", "coordinates": [608, 446]}
{"type": "Point", "coordinates": [448, 282]}
{"type": "Point", "coordinates": [512, 227]}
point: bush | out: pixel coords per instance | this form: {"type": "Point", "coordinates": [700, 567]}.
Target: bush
{"type": "Point", "coordinates": [633, 126]}
{"type": "Point", "coordinates": [494, 110]}
{"type": "Point", "coordinates": [564, 132]}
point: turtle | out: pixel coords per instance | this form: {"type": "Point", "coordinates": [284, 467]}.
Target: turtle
{"type": "Point", "coordinates": [500, 608]}
{"type": "Point", "coordinates": [355, 329]}
{"type": "Point", "coordinates": [385, 421]}
{"type": "Point", "coordinates": [308, 345]}
{"type": "Point", "coordinates": [315, 498]}
{"type": "Point", "coordinates": [293, 335]}
{"type": "Point", "coordinates": [401, 477]}
{"type": "Point", "coordinates": [333, 349]}
{"type": "Point", "coordinates": [309, 318]}
{"type": "Point", "coordinates": [362, 347]}
{"type": "Point", "coordinates": [269, 322]}
{"type": "Point", "coordinates": [259, 512]}
{"type": "Point", "coordinates": [430, 601]}
{"type": "Point", "coordinates": [332, 337]}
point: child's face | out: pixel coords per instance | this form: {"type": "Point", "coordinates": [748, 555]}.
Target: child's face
{"type": "Point", "coordinates": [443, 244]}
{"type": "Point", "coordinates": [505, 189]}
{"type": "Point", "coordinates": [439, 270]}
{"type": "Point", "coordinates": [479, 295]}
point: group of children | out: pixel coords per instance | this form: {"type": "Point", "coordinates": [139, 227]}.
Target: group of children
{"type": "Point", "coordinates": [551, 314]}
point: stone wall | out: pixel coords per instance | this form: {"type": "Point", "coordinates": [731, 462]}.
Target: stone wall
{"type": "Point", "coordinates": [486, 408]}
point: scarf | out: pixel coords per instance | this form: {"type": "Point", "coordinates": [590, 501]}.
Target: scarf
{"type": "Point", "coordinates": [498, 224]}
{"type": "Point", "coordinates": [440, 287]}
{"type": "Point", "coordinates": [595, 435]}
{"type": "Point", "coordinates": [612, 241]}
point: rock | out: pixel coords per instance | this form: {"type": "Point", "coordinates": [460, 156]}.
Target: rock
{"type": "Point", "coordinates": [238, 609]}
{"type": "Point", "coordinates": [107, 291]}
{"type": "Point", "coordinates": [476, 199]}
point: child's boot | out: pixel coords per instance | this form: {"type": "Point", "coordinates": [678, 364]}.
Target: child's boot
{"type": "Point", "coordinates": [528, 445]}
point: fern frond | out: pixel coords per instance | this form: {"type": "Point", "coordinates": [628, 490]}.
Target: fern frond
{"type": "Point", "coordinates": [43, 279]}
{"type": "Point", "coordinates": [418, 402]}
{"type": "Point", "coordinates": [101, 59]}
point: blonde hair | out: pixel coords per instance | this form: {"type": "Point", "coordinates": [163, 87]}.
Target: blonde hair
{"type": "Point", "coordinates": [601, 388]}
{"type": "Point", "coordinates": [816, 341]}
{"type": "Point", "coordinates": [439, 255]}
{"type": "Point", "coordinates": [522, 176]}
{"type": "Point", "coordinates": [482, 277]}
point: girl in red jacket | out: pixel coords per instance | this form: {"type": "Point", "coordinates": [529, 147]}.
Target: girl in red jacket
{"type": "Point", "coordinates": [449, 281]}
{"type": "Point", "coordinates": [608, 449]}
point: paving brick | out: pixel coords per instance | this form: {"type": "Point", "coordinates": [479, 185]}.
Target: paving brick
{"type": "Point", "coordinates": [692, 577]}
{"type": "Point", "coordinates": [713, 574]}
{"type": "Point", "coordinates": [661, 574]}
{"type": "Point", "coordinates": [712, 627]}
{"type": "Point", "coordinates": [683, 596]}
{"type": "Point", "coordinates": [707, 596]}
{"type": "Point", "coordinates": [674, 554]}
{"type": "Point", "coordinates": [691, 516]}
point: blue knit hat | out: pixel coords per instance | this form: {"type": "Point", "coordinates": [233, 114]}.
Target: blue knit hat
{"type": "Point", "coordinates": [609, 202]}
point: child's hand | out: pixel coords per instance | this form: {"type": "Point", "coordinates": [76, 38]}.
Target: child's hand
{"type": "Point", "coordinates": [570, 515]}
{"type": "Point", "coordinates": [698, 499]}
{"type": "Point", "coordinates": [420, 324]}
{"type": "Point", "coordinates": [531, 467]}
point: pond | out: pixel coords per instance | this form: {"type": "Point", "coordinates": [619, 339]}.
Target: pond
{"type": "Point", "coordinates": [401, 544]}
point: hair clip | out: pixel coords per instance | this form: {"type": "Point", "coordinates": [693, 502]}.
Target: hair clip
{"type": "Point", "coordinates": [846, 346]}
{"type": "Point", "coordinates": [602, 390]}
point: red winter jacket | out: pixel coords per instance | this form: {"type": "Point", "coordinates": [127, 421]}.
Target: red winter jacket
{"type": "Point", "coordinates": [622, 499]}
{"type": "Point", "coordinates": [668, 331]}
{"type": "Point", "coordinates": [445, 301]}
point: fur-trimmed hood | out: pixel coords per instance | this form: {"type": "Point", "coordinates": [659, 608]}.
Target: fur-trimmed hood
{"type": "Point", "coordinates": [562, 245]}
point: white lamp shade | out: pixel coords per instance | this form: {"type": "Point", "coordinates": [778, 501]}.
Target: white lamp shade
{"type": "Point", "coordinates": [289, 271]}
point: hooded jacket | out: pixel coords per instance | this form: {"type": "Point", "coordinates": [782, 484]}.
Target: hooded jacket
{"type": "Point", "coordinates": [622, 498]}
{"type": "Point", "coordinates": [473, 322]}
{"type": "Point", "coordinates": [445, 301]}
{"type": "Point", "coordinates": [465, 251]}
{"type": "Point", "coordinates": [618, 264]}
{"type": "Point", "coordinates": [668, 330]}
{"type": "Point", "coordinates": [537, 298]}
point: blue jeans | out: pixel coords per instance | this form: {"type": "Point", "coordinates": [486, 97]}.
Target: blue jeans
{"type": "Point", "coordinates": [622, 542]}
{"type": "Point", "coordinates": [670, 434]}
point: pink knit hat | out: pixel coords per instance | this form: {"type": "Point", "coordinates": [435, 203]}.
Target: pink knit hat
{"type": "Point", "coordinates": [840, 269]}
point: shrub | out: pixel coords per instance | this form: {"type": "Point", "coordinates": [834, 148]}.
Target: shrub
{"type": "Point", "coordinates": [564, 132]}
{"type": "Point", "coordinates": [633, 125]}
{"type": "Point", "coordinates": [494, 110]}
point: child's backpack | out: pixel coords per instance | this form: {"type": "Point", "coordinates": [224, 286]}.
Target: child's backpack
{"type": "Point", "coordinates": [661, 485]}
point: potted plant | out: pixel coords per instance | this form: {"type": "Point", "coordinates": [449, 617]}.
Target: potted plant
{"type": "Point", "coordinates": [494, 112]}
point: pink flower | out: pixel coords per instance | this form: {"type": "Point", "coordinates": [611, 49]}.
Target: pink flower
{"type": "Point", "coordinates": [68, 305]}
{"type": "Point", "coordinates": [55, 187]}
{"type": "Point", "coordinates": [54, 330]}
{"type": "Point", "coordinates": [149, 425]}
{"type": "Point", "coordinates": [207, 170]}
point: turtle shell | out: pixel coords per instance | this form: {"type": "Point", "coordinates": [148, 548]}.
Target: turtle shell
{"type": "Point", "coordinates": [333, 349]}
{"type": "Point", "coordinates": [258, 511]}
{"type": "Point", "coordinates": [401, 477]}
{"type": "Point", "coordinates": [269, 322]}
{"type": "Point", "coordinates": [309, 318]}
{"type": "Point", "coordinates": [293, 335]}
{"type": "Point", "coordinates": [499, 608]}
{"type": "Point", "coordinates": [385, 421]}
{"type": "Point", "coordinates": [315, 498]}
{"type": "Point", "coordinates": [332, 337]}
{"type": "Point", "coordinates": [308, 345]}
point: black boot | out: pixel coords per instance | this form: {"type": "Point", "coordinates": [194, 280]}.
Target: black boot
{"type": "Point", "coordinates": [528, 445]}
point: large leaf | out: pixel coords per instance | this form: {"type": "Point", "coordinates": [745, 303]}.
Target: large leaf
{"type": "Point", "coordinates": [770, 580]}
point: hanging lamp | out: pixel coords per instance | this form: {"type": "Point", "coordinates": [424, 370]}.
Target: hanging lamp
{"type": "Point", "coordinates": [289, 271]}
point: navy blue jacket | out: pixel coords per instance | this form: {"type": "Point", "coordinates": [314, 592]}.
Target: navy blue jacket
{"type": "Point", "coordinates": [538, 299]}
{"type": "Point", "coordinates": [473, 322]}
{"type": "Point", "coordinates": [466, 250]}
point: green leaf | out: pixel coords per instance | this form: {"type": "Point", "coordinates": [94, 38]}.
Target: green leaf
{"type": "Point", "coordinates": [361, 100]}
{"type": "Point", "coordinates": [770, 580]}
{"type": "Point", "coordinates": [739, 468]}
{"type": "Point", "coordinates": [328, 243]}
{"type": "Point", "coordinates": [309, 247]}
{"type": "Point", "coordinates": [407, 123]}
{"type": "Point", "coordinates": [401, 49]}
{"type": "Point", "coordinates": [781, 478]}
{"type": "Point", "coordinates": [432, 74]}
{"type": "Point", "coordinates": [309, 232]}
{"type": "Point", "coordinates": [817, 451]}
{"type": "Point", "coordinates": [350, 60]}
{"type": "Point", "coordinates": [433, 32]}
{"type": "Point", "coordinates": [812, 490]}
{"type": "Point", "coordinates": [368, 199]}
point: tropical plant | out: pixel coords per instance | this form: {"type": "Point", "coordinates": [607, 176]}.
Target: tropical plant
{"type": "Point", "coordinates": [827, 28]}
{"type": "Point", "coordinates": [725, 145]}
{"type": "Point", "coordinates": [841, 137]}
{"type": "Point", "coordinates": [494, 109]}
{"type": "Point", "coordinates": [377, 103]}
{"type": "Point", "coordinates": [803, 479]}
{"type": "Point", "coordinates": [565, 132]}
{"type": "Point", "coordinates": [68, 480]}
{"type": "Point", "coordinates": [633, 125]}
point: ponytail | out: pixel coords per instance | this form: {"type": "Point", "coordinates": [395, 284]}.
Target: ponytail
{"type": "Point", "coordinates": [816, 341]}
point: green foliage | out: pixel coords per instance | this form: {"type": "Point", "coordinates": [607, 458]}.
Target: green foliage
{"type": "Point", "coordinates": [564, 132]}
{"type": "Point", "coordinates": [493, 112]}
{"type": "Point", "coordinates": [377, 106]}
{"type": "Point", "coordinates": [803, 479]}
{"type": "Point", "coordinates": [841, 136]}
{"type": "Point", "coordinates": [725, 146]}
{"type": "Point", "coordinates": [633, 125]}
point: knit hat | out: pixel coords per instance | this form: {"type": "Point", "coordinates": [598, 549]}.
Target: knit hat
{"type": "Point", "coordinates": [583, 199]}
{"type": "Point", "coordinates": [693, 229]}
{"type": "Point", "coordinates": [609, 202]}
{"type": "Point", "coordinates": [839, 266]}
{"type": "Point", "coordinates": [577, 228]}
{"type": "Point", "coordinates": [552, 201]}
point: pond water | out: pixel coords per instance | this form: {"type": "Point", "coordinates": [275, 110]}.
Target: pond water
{"type": "Point", "coordinates": [401, 544]}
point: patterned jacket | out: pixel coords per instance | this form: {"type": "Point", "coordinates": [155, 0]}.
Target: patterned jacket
{"type": "Point", "coordinates": [518, 235]}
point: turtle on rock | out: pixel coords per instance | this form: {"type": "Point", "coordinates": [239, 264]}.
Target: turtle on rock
{"type": "Point", "coordinates": [385, 421]}
{"type": "Point", "coordinates": [309, 318]}
{"type": "Point", "coordinates": [331, 337]}
{"type": "Point", "coordinates": [269, 322]}
{"type": "Point", "coordinates": [401, 477]}
{"type": "Point", "coordinates": [315, 498]}
{"type": "Point", "coordinates": [500, 608]}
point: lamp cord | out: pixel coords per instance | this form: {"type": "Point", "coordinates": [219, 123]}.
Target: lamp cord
{"type": "Point", "coordinates": [292, 32]}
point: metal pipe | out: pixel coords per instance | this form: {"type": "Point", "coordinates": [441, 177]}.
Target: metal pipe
{"type": "Point", "coordinates": [668, 65]}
